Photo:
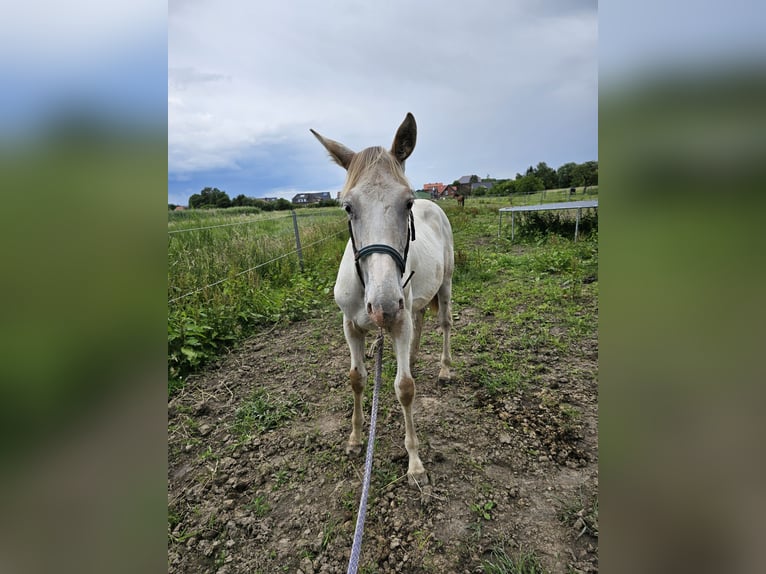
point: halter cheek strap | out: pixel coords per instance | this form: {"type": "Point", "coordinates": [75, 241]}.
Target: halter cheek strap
{"type": "Point", "coordinates": [401, 262]}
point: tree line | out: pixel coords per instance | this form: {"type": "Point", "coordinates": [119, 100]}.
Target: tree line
{"type": "Point", "coordinates": [539, 178]}
{"type": "Point", "coordinates": [534, 179]}
{"type": "Point", "coordinates": [212, 198]}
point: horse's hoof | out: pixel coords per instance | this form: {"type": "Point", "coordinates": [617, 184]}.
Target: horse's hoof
{"type": "Point", "coordinates": [418, 480]}
{"type": "Point", "coordinates": [353, 449]}
{"type": "Point", "coordinates": [444, 381]}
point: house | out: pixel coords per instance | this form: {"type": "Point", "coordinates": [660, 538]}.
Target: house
{"type": "Point", "coordinates": [449, 191]}
{"type": "Point", "coordinates": [308, 198]}
{"type": "Point", "coordinates": [179, 208]}
{"type": "Point", "coordinates": [485, 184]}
{"type": "Point", "coordinates": [464, 183]}
{"type": "Point", "coordinates": [470, 183]}
{"type": "Point", "coordinates": [435, 189]}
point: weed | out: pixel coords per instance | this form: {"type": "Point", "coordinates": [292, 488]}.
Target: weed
{"type": "Point", "coordinates": [384, 475]}
{"type": "Point", "coordinates": [502, 563]}
{"type": "Point", "coordinates": [328, 531]}
{"type": "Point", "coordinates": [262, 413]}
{"type": "Point", "coordinates": [484, 510]}
{"type": "Point", "coordinates": [578, 512]}
{"type": "Point", "coordinates": [259, 505]}
{"type": "Point", "coordinates": [280, 478]}
{"type": "Point", "coordinates": [348, 500]}
{"type": "Point", "coordinates": [208, 453]}
{"type": "Point", "coordinates": [422, 539]}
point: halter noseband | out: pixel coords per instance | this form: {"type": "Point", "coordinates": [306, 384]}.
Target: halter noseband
{"type": "Point", "coordinates": [401, 261]}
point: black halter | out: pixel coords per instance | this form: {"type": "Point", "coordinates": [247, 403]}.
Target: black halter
{"type": "Point", "coordinates": [401, 261]}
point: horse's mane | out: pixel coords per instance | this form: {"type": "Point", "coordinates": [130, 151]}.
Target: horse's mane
{"type": "Point", "coordinates": [369, 158]}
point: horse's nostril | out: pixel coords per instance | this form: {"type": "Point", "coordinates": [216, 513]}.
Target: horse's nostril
{"type": "Point", "coordinates": [401, 304]}
{"type": "Point", "coordinates": [369, 308]}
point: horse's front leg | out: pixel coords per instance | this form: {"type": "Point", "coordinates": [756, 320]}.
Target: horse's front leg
{"type": "Point", "coordinates": [405, 392]}
{"type": "Point", "coordinates": [357, 378]}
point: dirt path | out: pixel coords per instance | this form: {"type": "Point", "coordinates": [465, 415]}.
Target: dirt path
{"type": "Point", "coordinates": [258, 480]}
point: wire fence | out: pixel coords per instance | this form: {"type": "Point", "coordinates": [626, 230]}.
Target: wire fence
{"type": "Point", "coordinates": [277, 258]}
{"type": "Point", "coordinates": [250, 222]}
{"type": "Point", "coordinates": [297, 251]}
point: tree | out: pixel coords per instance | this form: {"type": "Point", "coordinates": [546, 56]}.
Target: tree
{"type": "Point", "coordinates": [547, 175]}
{"type": "Point", "coordinates": [209, 197]}
{"type": "Point", "coordinates": [529, 183]}
{"type": "Point", "coordinates": [243, 201]}
{"type": "Point", "coordinates": [504, 187]}
{"type": "Point", "coordinates": [282, 204]}
{"type": "Point", "coordinates": [564, 174]}
{"type": "Point", "coordinates": [585, 174]}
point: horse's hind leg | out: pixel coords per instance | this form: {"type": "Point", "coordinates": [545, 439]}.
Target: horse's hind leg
{"type": "Point", "coordinates": [418, 317]}
{"type": "Point", "coordinates": [444, 316]}
{"type": "Point", "coordinates": [357, 378]}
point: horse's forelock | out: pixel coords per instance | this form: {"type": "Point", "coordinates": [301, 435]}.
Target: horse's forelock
{"type": "Point", "coordinates": [369, 159]}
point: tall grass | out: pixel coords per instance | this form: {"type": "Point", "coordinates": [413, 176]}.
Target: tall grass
{"type": "Point", "coordinates": [232, 271]}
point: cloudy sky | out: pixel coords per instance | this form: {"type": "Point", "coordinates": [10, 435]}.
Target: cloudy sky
{"type": "Point", "coordinates": [494, 86]}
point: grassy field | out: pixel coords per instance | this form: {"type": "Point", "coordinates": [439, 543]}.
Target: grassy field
{"type": "Point", "coordinates": [513, 441]}
{"type": "Point", "coordinates": [537, 197]}
{"type": "Point", "coordinates": [233, 271]}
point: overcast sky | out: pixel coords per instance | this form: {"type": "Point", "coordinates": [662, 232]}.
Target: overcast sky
{"type": "Point", "coordinates": [494, 86]}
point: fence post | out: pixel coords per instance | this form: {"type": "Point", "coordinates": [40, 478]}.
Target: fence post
{"type": "Point", "coordinates": [297, 239]}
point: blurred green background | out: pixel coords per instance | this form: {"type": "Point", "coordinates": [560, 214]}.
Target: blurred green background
{"type": "Point", "coordinates": [683, 149]}
{"type": "Point", "coordinates": [83, 166]}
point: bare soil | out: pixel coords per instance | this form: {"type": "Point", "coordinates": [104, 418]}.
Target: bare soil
{"type": "Point", "coordinates": [516, 471]}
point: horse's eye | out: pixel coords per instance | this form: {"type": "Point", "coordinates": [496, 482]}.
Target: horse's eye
{"type": "Point", "coordinates": [410, 203]}
{"type": "Point", "coordinates": [347, 207]}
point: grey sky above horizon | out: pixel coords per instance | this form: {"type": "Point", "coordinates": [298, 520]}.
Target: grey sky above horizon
{"type": "Point", "coordinates": [494, 86]}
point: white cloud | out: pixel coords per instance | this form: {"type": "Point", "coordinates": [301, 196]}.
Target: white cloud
{"type": "Point", "coordinates": [489, 82]}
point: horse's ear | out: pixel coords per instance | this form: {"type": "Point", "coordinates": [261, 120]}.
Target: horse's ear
{"type": "Point", "coordinates": [338, 152]}
{"type": "Point", "coordinates": [404, 142]}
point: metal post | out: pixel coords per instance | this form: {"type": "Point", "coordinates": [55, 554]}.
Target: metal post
{"type": "Point", "coordinates": [297, 239]}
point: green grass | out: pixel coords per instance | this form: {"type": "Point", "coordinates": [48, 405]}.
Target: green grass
{"type": "Point", "coordinates": [539, 291]}
{"type": "Point", "coordinates": [503, 563]}
{"type": "Point", "coordinates": [329, 531]}
{"type": "Point", "coordinates": [259, 505]}
{"type": "Point", "coordinates": [263, 412]}
{"type": "Point", "coordinates": [214, 301]}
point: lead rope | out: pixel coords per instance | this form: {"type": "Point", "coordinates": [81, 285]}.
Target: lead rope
{"type": "Point", "coordinates": [356, 548]}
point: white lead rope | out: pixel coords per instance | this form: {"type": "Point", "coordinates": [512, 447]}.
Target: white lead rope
{"type": "Point", "coordinates": [356, 548]}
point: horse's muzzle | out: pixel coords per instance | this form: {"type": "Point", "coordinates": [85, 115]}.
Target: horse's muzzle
{"type": "Point", "coordinates": [385, 315]}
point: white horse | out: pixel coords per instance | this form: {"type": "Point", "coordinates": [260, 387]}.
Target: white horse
{"type": "Point", "coordinates": [398, 261]}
